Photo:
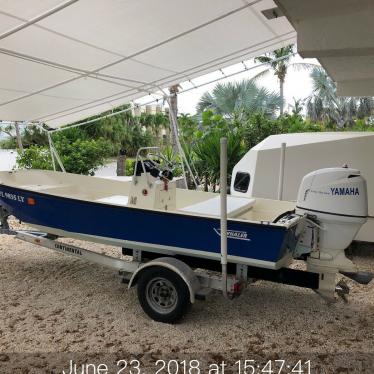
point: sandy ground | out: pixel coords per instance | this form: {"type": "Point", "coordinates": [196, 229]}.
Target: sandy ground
{"type": "Point", "coordinates": [52, 303]}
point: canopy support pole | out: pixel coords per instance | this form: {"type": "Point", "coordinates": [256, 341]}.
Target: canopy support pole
{"type": "Point", "coordinates": [36, 19]}
{"type": "Point", "coordinates": [174, 128]}
{"type": "Point", "coordinates": [54, 154]}
{"type": "Point", "coordinates": [51, 151]}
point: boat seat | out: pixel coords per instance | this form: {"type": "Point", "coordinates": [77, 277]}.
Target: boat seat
{"type": "Point", "coordinates": [115, 200]}
{"type": "Point", "coordinates": [212, 207]}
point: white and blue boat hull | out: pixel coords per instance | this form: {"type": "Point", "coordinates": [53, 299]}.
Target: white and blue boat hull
{"type": "Point", "coordinates": [260, 244]}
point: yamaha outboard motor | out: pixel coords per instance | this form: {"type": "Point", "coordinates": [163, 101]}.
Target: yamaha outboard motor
{"type": "Point", "coordinates": [335, 200]}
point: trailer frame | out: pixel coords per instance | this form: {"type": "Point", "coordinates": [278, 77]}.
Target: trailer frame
{"type": "Point", "coordinates": [199, 281]}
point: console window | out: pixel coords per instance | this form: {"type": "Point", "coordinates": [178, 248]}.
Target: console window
{"type": "Point", "coordinates": [241, 182]}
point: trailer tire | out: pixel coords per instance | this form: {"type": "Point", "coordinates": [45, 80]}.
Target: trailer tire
{"type": "Point", "coordinates": [163, 294]}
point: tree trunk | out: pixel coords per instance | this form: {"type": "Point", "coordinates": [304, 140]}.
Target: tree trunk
{"type": "Point", "coordinates": [206, 183]}
{"type": "Point", "coordinates": [174, 110]}
{"type": "Point", "coordinates": [121, 163]}
{"type": "Point", "coordinates": [340, 123]}
{"type": "Point", "coordinates": [18, 135]}
{"type": "Point", "coordinates": [281, 94]}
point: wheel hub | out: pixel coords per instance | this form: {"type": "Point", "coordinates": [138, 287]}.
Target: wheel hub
{"type": "Point", "coordinates": [161, 295]}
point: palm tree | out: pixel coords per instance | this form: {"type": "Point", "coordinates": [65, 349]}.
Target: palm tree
{"type": "Point", "coordinates": [173, 113]}
{"type": "Point", "coordinates": [239, 97]}
{"type": "Point", "coordinates": [365, 107]}
{"type": "Point", "coordinates": [278, 61]}
{"type": "Point", "coordinates": [324, 105]}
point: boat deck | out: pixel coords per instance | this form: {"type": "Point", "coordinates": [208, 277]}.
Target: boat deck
{"type": "Point", "coordinates": [114, 192]}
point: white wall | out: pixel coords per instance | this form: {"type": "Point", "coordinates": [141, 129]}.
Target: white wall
{"type": "Point", "coordinates": [7, 159]}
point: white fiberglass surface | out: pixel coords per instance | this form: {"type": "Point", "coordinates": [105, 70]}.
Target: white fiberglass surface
{"type": "Point", "coordinates": [114, 192]}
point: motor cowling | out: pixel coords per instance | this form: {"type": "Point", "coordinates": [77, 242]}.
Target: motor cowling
{"type": "Point", "coordinates": [339, 192]}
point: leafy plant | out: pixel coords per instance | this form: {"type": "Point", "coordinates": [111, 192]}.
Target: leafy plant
{"type": "Point", "coordinates": [83, 156]}
{"type": "Point", "coordinates": [34, 135]}
{"type": "Point", "coordinates": [130, 166]}
{"type": "Point", "coordinates": [207, 151]}
{"type": "Point", "coordinates": [35, 157]}
{"type": "Point", "coordinates": [9, 143]}
{"type": "Point", "coordinates": [173, 159]}
{"type": "Point", "coordinates": [243, 97]}
{"type": "Point", "coordinates": [79, 157]}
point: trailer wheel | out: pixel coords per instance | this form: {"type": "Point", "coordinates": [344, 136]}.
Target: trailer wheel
{"type": "Point", "coordinates": [163, 294]}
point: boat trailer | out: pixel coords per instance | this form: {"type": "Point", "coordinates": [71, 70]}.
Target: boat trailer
{"type": "Point", "coordinates": [168, 285]}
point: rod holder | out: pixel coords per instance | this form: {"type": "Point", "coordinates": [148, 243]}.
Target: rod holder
{"type": "Point", "coordinates": [281, 171]}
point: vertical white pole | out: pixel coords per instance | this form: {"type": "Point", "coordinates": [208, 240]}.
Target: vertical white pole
{"type": "Point", "coordinates": [174, 127]}
{"type": "Point", "coordinates": [223, 199]}
{"type": "Point", "coordinates": [174, 123]}
{"type": "Point", "coordinates": [281, 171]}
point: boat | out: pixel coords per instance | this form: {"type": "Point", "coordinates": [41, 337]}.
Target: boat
{"type": "Point", "coordinates": [98, 210]}
{"type": "Point", "coordinates": [171, 233]}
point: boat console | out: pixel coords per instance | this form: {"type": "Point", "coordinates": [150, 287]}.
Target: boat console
{"type": "Point", "coordinates": [152, 185]}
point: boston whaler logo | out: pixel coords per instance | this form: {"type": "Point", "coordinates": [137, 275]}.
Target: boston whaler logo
{"type": "Point", "coordinates": [345, 191]}
{"type": "Point", "coordinates": [234, 234]}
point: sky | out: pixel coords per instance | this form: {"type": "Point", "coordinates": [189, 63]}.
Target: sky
{"type": "Point", "coordinates": [298, 84]}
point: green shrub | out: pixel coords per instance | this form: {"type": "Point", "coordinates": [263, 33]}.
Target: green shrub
{"type": "Point", "coordinates": [35, 157]}
{"type": "Point", "coordinates": [79, 157]}
{"type": "Point", "coordinates": [207, 151]}
{"type": "Point", "coordinates": [258, 127]}
{"type": "Point", "coordinates": [361, 125]}
{"type": "Point", "coordinates": [134, 138]}
{"type": "Point", "coordinates": [130, 166]}
{"type": "Point", "coordinates": [9, 143]}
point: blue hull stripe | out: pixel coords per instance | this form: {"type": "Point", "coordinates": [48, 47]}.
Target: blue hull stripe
{"type": "Point", "coordinates": [251, 240]}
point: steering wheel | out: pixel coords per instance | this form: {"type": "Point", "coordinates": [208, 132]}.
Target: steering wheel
{"type": "Point", "coordinates": [162, 164]}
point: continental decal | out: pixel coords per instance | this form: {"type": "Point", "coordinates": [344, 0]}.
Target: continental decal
{"type": "Point", "coordinates": [67, 249]}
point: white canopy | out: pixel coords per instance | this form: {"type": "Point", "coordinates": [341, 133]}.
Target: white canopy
{"type": "Point", "coordinates": [64, 61]}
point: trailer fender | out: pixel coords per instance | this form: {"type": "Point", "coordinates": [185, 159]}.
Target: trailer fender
{"type": "Point", "coordinates": [177, 266]}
